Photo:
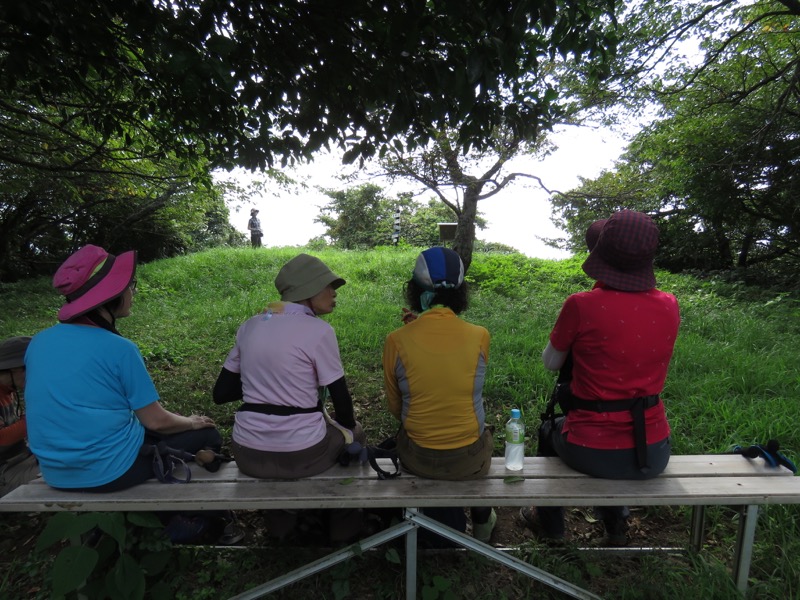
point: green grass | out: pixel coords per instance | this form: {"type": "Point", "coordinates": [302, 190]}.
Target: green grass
{"type": "Point", "coordinates": [734, 379]}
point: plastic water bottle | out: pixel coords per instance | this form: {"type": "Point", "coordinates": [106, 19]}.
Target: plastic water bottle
{"type": "Point", "coordinates": [515, 442]}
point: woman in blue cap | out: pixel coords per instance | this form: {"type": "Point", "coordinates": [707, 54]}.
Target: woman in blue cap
{"type": "Point", "coordinates": [434, 369]}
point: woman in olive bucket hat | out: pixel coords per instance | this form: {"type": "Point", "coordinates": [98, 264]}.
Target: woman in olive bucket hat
{"type": "Point", "coordinates": [283, 365]}
{"type": "Point", "coordinates": [621, 335]}
{"type": "Point", "coordinates": [91, 403]}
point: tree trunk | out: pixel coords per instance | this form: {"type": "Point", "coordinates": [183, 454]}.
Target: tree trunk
{"type": "Point", "coordinates": [465, 232]}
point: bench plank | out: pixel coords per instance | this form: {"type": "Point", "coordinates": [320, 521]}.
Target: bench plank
{"type": "Point", "coordinates": [729, 465]}
{"type": "Point", "coordinates": [548, 481]}
{"type": "Point", "coordinates": [413, 493]}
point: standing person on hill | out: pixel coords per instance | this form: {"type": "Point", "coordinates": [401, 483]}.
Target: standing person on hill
{"type": "Point", "coordinates": [17, 464]}
{"type": "Point", "coordinates": [93, 411]}
{"type": "Point", "coordinates": [434, 369]}
{"type": "Point", "coordinates": [621, 336]}
{"type": "Point", "coordinates": [284, 363]}
{"type": "Point", "coordinates": [254, 227]}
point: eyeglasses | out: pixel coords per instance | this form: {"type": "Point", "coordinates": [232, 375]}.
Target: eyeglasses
{"type": "Point", "coordinates": [132, 285]}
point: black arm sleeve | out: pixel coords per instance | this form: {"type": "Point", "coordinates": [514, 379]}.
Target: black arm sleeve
{"type": "Point", "coordinates": [342, 403]}
{"type": "Point", "coordinates": [228, 387]}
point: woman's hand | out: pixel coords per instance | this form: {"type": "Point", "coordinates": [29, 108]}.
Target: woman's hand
{"type": "Point", "coordinates": [201, 422]}
{"type": "Point", "coordinates": [156, 418]}
{"type": "Point", "coordinates": [407, 316]}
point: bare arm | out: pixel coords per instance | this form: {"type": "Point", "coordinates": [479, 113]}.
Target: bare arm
{"type": "Point", "coordinates": [156, 418]}
{"type": "Point", "coordinates": [553, 359]}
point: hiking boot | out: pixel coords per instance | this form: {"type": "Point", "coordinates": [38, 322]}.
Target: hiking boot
{"type": "Point", "coordinates": [617, 540]}
{"type": "Point", "coordinates": [548, 532]}
{"type": "Point", "coordinates": [483, 531]}
{"type": "Point", "coordinates": [232, 534]}
{"type": "Point", "coordinates": [185, 529]}
{"type": "Point", "coordinates": [616, 533]}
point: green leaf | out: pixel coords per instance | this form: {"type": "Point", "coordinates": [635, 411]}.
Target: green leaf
{"type": "Point", "coordinates": [393, 556]}
{"type": "Point", "coordinates": [160, 591]}
{"type": "Point", "coordinates": [347, 481]}
{"type": "Point", "coordinates": [341, 589]}
{"type": "Point", "coordinates": [513, 479]}
{"type": "Point", "coordinates": [128, 578]}
{"type": "Point", "coordinates": [441, 583]}
{"type": "Point", "coordinates": [144, 519]}
{"type": "Point", "coordinates": [66, 526]}
{"type": "Point", "coordinates": [55, 530]}
{"type": "Point", "coordinates": [154, 563]}
{"type": "Point", "coordinates": [114, 525]}
{"type": "Point", "coordinates": [72, 567]}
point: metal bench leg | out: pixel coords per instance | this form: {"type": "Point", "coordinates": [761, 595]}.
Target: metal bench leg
{"type": "Point", "coordinates": [698, 527]}
{"type": "Point", "coordinates": [744, 546]}
{"type": "Point", "coordinates": [492, 553]}
{"type": "Point", "coordinates": [411, 559]}
{"type": "Point", "coordinates": [312, 568]}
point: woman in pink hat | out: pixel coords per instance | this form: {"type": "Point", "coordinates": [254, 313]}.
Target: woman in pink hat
{"type": "Point", "coordinates": [92, 406]}
{"type": "Point", "coordinates": [620, 336]}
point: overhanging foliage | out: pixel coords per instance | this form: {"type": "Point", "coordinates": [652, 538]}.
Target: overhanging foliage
{"type": "Point", "coordinates": [246, 83]}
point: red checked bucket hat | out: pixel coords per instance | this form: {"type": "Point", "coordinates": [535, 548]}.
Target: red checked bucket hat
{"type": "Point", "coordinates": [593, 233]}
{"type": "Point", "coordinates": [623, 256]}
{"type": "Point", "coordinates": [90, 278]}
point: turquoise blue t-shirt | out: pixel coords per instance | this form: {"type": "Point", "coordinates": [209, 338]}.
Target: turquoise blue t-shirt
{"type": "Point", "coordinates": [83, 384]}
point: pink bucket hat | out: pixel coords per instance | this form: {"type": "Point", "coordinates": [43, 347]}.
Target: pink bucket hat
{"type": "Point", "coordinates": [623, 256]}
{"type": "Point", "coordinates": [90, 278]}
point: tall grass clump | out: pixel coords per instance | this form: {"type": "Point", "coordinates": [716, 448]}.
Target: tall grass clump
{"type": "Point", "coordinates": [734, 379]}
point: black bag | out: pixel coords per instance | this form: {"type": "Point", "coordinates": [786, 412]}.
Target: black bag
{"type": "Point", "coordinates": [386, 449]}
{"type": "Point", "coordinates": [168, 462]}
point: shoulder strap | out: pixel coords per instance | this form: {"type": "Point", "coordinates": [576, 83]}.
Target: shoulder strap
{"type": "Point", "coordinates": [376, 452]}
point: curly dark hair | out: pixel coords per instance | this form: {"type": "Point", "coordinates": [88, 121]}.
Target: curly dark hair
{"type": "Point", "coordinates": [456, 299]}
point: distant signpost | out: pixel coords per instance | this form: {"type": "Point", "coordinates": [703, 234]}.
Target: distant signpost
{"type": "Point", "coordinates": [447, 232]}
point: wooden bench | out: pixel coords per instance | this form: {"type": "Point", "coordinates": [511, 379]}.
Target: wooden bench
{"type": "Point", "coordinates": [696, 481]}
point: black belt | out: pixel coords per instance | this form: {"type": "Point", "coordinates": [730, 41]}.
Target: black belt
{"type": "Point", "coordinates": [279, 409]}
{"type": "Point", "coordinates": [636, 406]}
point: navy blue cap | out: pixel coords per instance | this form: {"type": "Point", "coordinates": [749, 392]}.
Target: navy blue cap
{"type": "Point", "coordinates": [439, 268]}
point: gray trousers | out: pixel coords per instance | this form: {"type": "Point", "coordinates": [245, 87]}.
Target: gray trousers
{"type": "Point", "coordinates": [604, 464]}
{"type": "Point", "coordinates": [17, 470]}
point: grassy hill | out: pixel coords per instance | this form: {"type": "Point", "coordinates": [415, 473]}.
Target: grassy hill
{"type": "Point", "coordinates": [734, 378]}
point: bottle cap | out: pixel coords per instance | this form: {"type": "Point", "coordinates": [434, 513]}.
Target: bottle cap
{"type": "Point", "coordinates": [515, 414]}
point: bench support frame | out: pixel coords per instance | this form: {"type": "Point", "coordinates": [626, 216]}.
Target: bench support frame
{"type": "Point", "coordinates": [412, 520]}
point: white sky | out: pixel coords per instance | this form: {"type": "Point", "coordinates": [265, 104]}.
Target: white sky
{"type": "Point", "coordinates": [517, 216]}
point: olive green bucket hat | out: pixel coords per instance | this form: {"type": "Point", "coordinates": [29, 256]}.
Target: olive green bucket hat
{"type": "Point", "coordinates": [304, 277]}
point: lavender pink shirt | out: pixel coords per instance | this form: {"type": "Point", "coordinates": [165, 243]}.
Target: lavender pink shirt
{"type": "Point", "coordinates": [284, 355]}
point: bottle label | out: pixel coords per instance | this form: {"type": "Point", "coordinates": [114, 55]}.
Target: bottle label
{"type": "Point", "coordinates": [515, 434]}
